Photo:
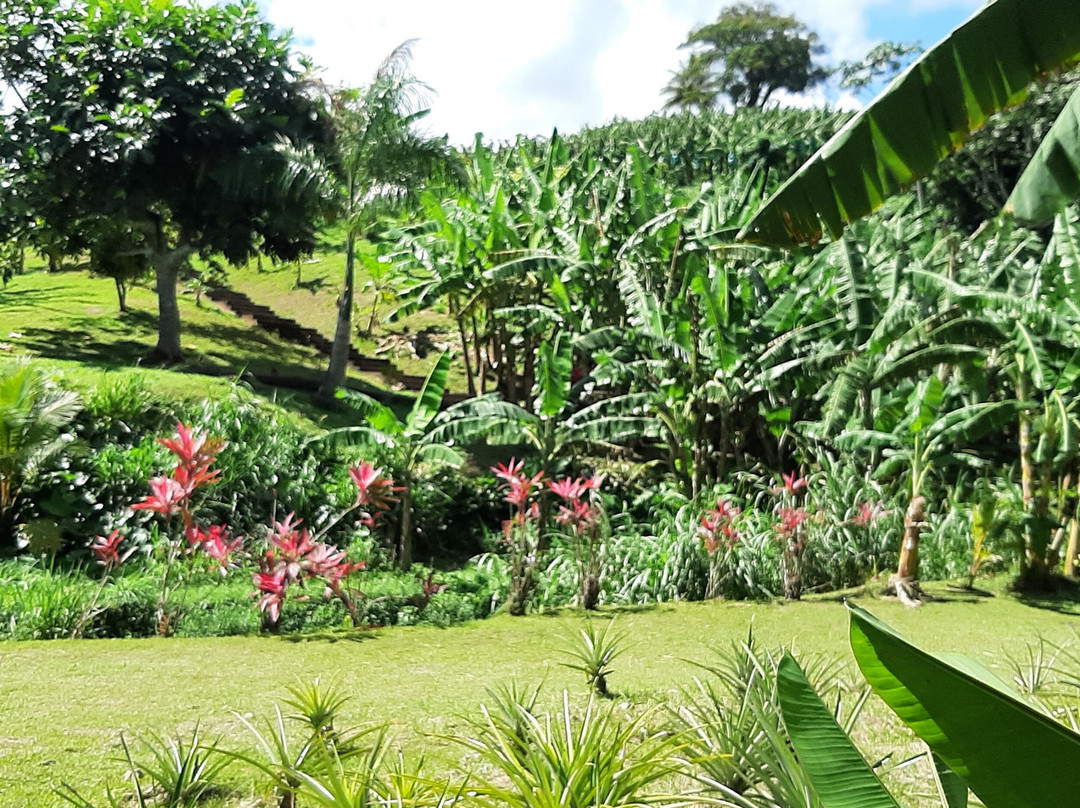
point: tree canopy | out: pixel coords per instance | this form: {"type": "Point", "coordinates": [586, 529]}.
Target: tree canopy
{"type": "Point", "coordinates": [182, 121]}
{"type": "Point", "coordinates": [747, 54]}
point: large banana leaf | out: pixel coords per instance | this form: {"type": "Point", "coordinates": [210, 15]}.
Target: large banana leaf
{"type": "Point", "coordinates": [428, 402]}
{"type": "Point", "coordinates": [1052, 178]}
{"type": "Point", "coordinates": [1009, 753]}
{"type": "Point", "coordinates": [840, 776]}
{"type": "Point", "coordinates": [980, 68]}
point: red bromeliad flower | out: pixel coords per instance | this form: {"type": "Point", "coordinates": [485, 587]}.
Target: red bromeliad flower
{"type": "Point", "coordinates": [717, 527]}
{"type": "Point", "coordinates": [215, 543]}
{"type": "Point", "coordinates": [272, 584]}
{"type": "Point", "coordinates": [793, 484]}
{"type": "Point", "coordinates": [107, 549]}
{"type": "Point", "coordinates": [520, 485]}
{"type": "Point", "coordinates": [167, 496]}
{"type": "Point", "coordinates": [569, 490]}
{"type": "Point", "coordinates": [510, 472]}
{"type": "Point", "coordinates": [790, 519]}
{"type": "Point", "coordinates": [869, 513]}
{"type": "Point", "coordinates": [578, 515]}
{"type": "Point", "coordinates": [372, 489]}
{"type": "Point", "coordinates": [195, 452]}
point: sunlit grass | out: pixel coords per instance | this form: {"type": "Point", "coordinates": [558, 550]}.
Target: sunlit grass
{"type": "Point", "coordinates": [64, 703]}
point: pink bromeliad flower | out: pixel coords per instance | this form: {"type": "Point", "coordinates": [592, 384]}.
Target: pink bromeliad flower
{"type": "Point", "coordinates": [716, 527]}
{"type": "Point", "coordinates": [790, 519]}
{"type": "Point", "coordinates": [166, 497]}
{"type": "Point", "coordinates": [195, 452]}
{"type": "Point", "coordinates": [106, 548]}
{"type": "Point", "coordinates": [792, 483]}
{"type": "Point", "coordinates": [215, 543]}
{"type": "Point", "coordinates": [869, 513]}
{"type": "Point", "coordinates": [372, 488]}
{"type": "Point", "coordinates": [272, 584]}
{"type": "Point", "coordinates": [520, 485]}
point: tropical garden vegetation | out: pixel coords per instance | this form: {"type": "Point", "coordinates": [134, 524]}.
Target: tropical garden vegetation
{"type": "Point", "coordinates": [743, 354]}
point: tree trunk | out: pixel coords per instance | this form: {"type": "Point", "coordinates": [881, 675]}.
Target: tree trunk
{"type": "Point", "coordinates": [405, 540]}
{"type": "Point", "coordinates": [339, 352]}
{"type": "Point", "coordinates": [166, 263]}
{"type": "Point", "coordinates": [908, 568]}
{"type": "Point", "coordinates": [590, 592]}
{"type": "Point", "coordinates": [121, 294]}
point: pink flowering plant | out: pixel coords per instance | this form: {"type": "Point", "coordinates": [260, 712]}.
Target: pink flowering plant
{"type": "Point", "coordinates": [521, 532]}
{"type": "Point", "coordinates": [790, 532]}
{"type": "Point", "coordinates": [719, 538]}
{"type": "Point", "coordinates": [292, 559]}
{"type": "Point", "coordinates": [580, 519]}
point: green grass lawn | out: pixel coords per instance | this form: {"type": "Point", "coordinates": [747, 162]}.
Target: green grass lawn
{"type": "Point", "coordinates": [64, 703]}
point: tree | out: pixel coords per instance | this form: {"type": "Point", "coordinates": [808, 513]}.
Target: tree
{"type": "Point", "coordinates": [179, 121]}
{"type": "Point", "coordinates": [694, 86]}
{"type": "Point", "coordinates": [753, 51]}
{"type": "Point", "coordinates": [379, 162]}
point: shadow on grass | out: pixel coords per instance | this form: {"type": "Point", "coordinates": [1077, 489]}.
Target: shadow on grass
{"type": "Point", "coordinates": [334, 635]}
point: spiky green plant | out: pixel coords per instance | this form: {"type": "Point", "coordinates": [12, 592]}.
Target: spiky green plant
{"type": "Point", "coordinates": [593, 650]}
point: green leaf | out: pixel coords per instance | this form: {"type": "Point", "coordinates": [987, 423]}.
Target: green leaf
{"type": "Point", "coordinates": [430, 399]}
{"type": "Point", "coordinates": [952, 790]}
{"type": "Point", "coordinates": [837, 771]}
{"type": "Point", "coordinates": [233, 97]}
{"type": "Point", "coordinates": [983, 66]}
{"type": "Point", "coordinates": [553, 375]}
{"type": "Point", "coordinates": [1009, 753]}
{"type": "Point", "coordinates": [1052, 178]}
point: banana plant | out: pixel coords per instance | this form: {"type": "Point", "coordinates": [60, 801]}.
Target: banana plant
{"type": "Point", "coordinates": [1010, 753]}
{"type": "Point", "coordinates": [923, 441]}
{"type": "Point", "coordinates": [835, 767]}
{"type": "Point", "coordinates": [410, 443]}
{"type": "Point", "coordinates": [983, 66]}
{"type": "Point", "coordinates": [555, 424]}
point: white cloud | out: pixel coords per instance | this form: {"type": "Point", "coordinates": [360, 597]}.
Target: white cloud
{"type": "Point", "coordinates": [506, 66]}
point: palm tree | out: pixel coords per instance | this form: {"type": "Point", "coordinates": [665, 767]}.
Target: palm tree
{"type": "Point", "coordinates": [32, 413]}
{"type": "Point", "coordinates": [380, 162]}
{"type": "Point", "coordinates": [693, 86]}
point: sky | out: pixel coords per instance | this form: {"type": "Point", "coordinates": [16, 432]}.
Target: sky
{"type": "Point", "coordinates": [506, 67]}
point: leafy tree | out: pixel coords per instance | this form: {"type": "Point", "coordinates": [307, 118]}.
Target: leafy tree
{"type": "Point", "coordinates": [881, 63]}
{"type": "Point", "coordinates": [180, 121]}
{"type": "Point", "coordinates": [694, 86]}
{"type": "Point", "coordinates": [754, 51]}
{"type": "Point", "coordinates": [119, 252]}
{"type": "Point", "coordinates": [379, 162]}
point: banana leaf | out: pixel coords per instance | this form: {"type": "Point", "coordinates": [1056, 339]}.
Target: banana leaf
{"type": "Point", "coordinates": [1052, 178]}
{"type": "Point", "coordinates": [838, 772]}
{"type": "Point", "coordinates": [983, 66]}
{"type": "Point", "coordinates": [428, 402]}
{"type": "Point", "coordinates": [1009, 753]}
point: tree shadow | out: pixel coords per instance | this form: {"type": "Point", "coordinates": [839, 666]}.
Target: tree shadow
{"type": "Point", "coordinates": [331, 636]}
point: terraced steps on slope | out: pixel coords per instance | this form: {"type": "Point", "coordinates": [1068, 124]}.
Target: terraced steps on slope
{"type": "Point", "coordinates": [265, 318]}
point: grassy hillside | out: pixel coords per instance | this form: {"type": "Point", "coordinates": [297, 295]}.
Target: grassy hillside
{"type": "Point", "coordinates": [71, 320]}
